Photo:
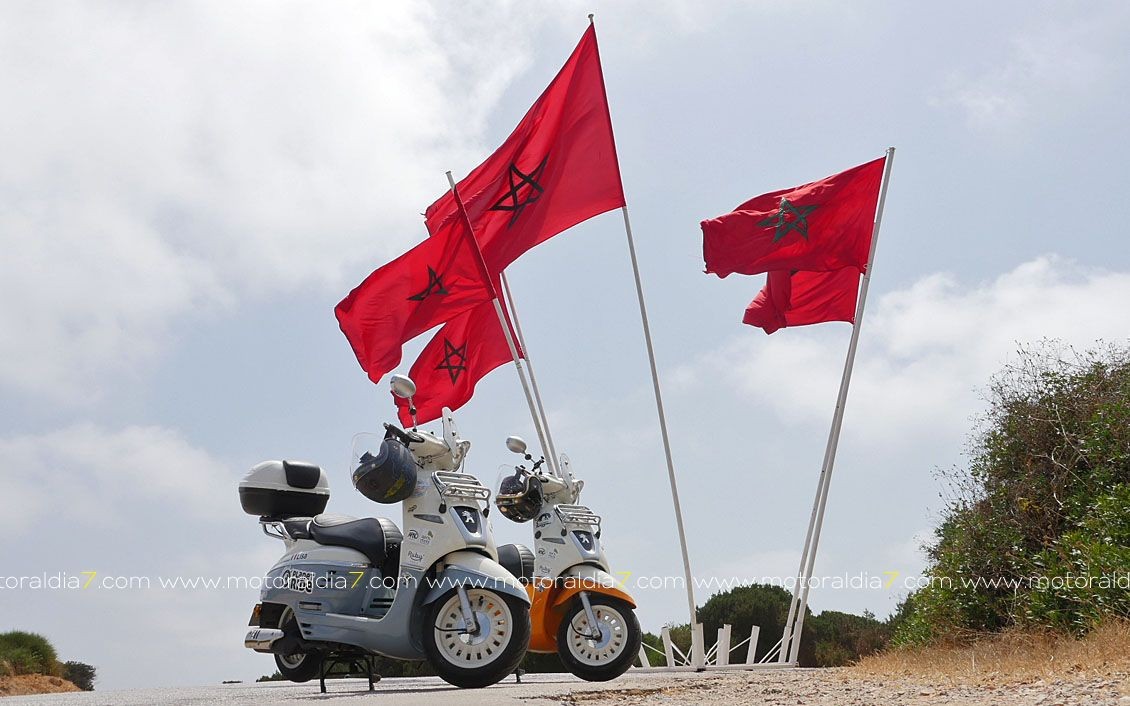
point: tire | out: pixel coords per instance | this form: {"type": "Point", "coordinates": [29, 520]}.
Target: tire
{"type": "Point", "coordinates": [299, 667]}
{"type": "Point", "coordinates": [472, 662]}
{"type": "Point", "coordinates": [614, 653]}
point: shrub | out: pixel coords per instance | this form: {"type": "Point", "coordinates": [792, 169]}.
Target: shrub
{"type": "Point", "coordinates": [1038, 530]}
{"type": "Point", "coordinates": [79, 674]}
{"type": "Point", "coordinates": [28, 653]}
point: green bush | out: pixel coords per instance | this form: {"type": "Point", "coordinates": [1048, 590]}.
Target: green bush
{"type": "Point", "coordinates": [830, 639]}
{"type": "Point", "coordinates": [79, 674]}
{"type": "Point", "coordinates": [28, 653]}
{"type": "Point", "coordinates": [1037, 533]}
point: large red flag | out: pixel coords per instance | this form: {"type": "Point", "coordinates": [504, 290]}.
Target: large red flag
{"type": "Point", "coordinates": [822, 226]}
{"type": "Point", "coordinates": [458, 356]}
{"type": "Point", "coordinates": [556, 169]}
{"type": "Point", "coordinates": [432, 283]}
{"type": "Point", "coordinates": [803, 298]}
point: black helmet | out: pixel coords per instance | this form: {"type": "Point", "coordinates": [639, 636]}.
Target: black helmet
{"type": "Point", "coordinates": [519, 497]}
{"type": "Point", "coordinates": [387, 477]}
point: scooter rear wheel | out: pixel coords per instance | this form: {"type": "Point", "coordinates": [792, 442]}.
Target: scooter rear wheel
{"type": "Point", "coordinates": [488, 656]}
{"type": "Point", "coordinates": [606, 657]}
{"type": "Point", "coordinates": [301, 666]}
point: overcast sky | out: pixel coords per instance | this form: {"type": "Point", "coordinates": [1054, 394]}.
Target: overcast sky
{"type": "Point", "coordinates": [187, 189]}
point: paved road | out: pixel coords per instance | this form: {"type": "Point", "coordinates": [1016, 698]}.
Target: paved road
{"type": "Point", "coordinates": [535, 690]}
{"type": "Point", "coordinates": [819, 687]}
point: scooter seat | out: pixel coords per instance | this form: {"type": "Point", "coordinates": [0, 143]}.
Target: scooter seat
{"type": "Point", "coordinates": [376, 537]}
{"type": "Point", "coordinates": [518, 560]}
{"type": "Point", "coordinates": [297, 527]}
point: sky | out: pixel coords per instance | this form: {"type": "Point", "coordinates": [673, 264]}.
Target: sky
{"type": "Point", "coordinates": [188, 188]}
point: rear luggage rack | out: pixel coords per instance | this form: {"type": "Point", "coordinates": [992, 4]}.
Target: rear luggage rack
{"type": "Point", "coordinates": [578, 515]}
{"type": "Point", "coordinates": [452, 484]}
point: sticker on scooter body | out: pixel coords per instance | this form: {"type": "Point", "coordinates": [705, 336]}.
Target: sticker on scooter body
{"type": "Point", "coordinates": [298, 581]}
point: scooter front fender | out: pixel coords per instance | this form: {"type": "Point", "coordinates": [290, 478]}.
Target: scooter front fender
{"type": "Point", "coordinates": [551, 599]}
{"type": "Point", "coordinates": [473, 570]}
{"type": "Point", "coordinates": [585, 577]}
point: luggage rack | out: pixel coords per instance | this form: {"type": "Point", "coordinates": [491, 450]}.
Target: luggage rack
{"type": "Point", "coordinates": [578, 515]}
{"type": "Point", "coordinates": [452, 484]}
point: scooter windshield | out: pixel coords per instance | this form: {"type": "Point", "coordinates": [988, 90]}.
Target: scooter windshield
{"type": "Point", "coordinates": [510, 479]}
{"type": "Point", "coordinates": [366, 446]}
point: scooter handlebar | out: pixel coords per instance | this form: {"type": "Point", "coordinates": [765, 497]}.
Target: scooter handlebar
{"type": "Point", "coordinates": [408, 437]}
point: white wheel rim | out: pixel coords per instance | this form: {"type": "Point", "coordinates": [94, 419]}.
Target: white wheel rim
{"type": "Point", "coordinates": [613, 636]}
{"type": "Point", "coordinates": [291, 661]}
{"type": "Point", "coordinates": [496, 627]}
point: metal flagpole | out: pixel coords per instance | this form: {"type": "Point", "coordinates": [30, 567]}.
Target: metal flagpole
{"type": "Point", "coordinates": [501, 316]}
{"type": "Point", "coordinates": [696, 644]}
{"type": "Point", "coordinates": [553, 464]}
{"type": "Point", "coordinates": [697, 650]}
{"type": "Point", "coordinates": [837, 420]}
{"type": "Point", "coordinates": [786, 636]}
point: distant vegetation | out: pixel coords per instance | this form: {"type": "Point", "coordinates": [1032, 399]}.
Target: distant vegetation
{"type": "Point", "coordinates": [1037, 534]}
{"type": "Point", "coordinates": [28, 653]}
{"type": "Point", "coordinates": [831, 638]}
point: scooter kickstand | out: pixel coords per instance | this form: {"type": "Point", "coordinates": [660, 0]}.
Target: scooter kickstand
{"type": "Point", "coordinates": [469, 623]}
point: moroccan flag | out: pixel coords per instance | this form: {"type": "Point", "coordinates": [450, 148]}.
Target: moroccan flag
{"type": "Point", "coordinates": [822, 226]}
{"type": "Point", "coordinates": [803, 298]}
{"type": "Point", "coordinates": [556, 169]}
{"type": "Point", "coordinates": [458, 356]}
{"type": "Point", "coordinates": [432, 283]}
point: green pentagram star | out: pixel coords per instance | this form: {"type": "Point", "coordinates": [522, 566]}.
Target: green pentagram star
{"type": "Point", "coordinates": [787, 219]}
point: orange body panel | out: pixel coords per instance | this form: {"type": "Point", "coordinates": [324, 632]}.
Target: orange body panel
{"type": "Point", "coordinates": [548, 603]}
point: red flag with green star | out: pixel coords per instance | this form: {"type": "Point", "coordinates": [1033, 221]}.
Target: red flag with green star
{"type": "Point", "coordinates": [458, 356]}
{"type": "Point", "coordinates": [557, 169]}
{"type": "Point", "coordinates": [433, 282]}
{"type": "Point", "coordinates": [822, 226]}
{"type": "Point", "coordinates": [803, 298]}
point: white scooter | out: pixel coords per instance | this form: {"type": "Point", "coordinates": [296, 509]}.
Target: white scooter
{"type": "Point", "coordinates": [347, 588]}
{"type": "Point", "coordinates": [578, 609]}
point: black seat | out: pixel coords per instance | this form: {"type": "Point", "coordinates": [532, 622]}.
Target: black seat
{"type": "Point", "coordinates": [375, 537]}
{"type": "Point", "coordinates": [518, 560]}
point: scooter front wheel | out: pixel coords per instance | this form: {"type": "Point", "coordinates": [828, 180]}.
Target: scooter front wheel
{"type": "Point", "coordinates": [491, 652]}
{"type": "Point", "coordinates": [603, 651]}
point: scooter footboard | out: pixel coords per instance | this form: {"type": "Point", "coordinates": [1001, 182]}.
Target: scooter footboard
{"type": "Point", "coordinates": [474, 570]}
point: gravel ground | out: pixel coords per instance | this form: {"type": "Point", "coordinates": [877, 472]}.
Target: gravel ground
{"type": "Point", "coordinates": [825, 687]}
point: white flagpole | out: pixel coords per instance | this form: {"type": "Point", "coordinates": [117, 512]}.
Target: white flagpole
{"type": "Point", "coordinates": [696, 646]}
{"type": "Point", "coordinates": [796, 633]}
{"type": "Point", "coordinates": [552, 457]}
{"type": "Point", "coordinates": [502, 321]}
{"type": "Point", "coordinates": [698, 657]}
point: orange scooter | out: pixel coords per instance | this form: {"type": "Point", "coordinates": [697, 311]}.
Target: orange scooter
{"type": "Point", "coordinates": [577, 609]}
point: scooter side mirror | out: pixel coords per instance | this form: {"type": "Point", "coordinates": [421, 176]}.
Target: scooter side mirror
{"type": "Point", "coordinates": [516, 444]}
{"type": "Point", "coordinates": [402, 386]}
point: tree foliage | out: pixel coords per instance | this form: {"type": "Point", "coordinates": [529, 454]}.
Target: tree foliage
{"type": "Point", "coordinates": [80, 674]}
{"type": "Point", "coordinates": [1037, 532]}
{"type": "Point", "coordinates": [830, 639]}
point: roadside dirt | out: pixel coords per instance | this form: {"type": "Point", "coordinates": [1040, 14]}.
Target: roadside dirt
{"type": "Point", "coordinates": [28, 684]}
{"type": "Point", "coordinates": [840, 687]}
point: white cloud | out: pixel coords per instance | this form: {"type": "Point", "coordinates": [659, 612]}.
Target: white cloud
{"type": "Point", "coordinates": [106, 478]}
{"type": "Point", "coordinates": [140, 503]}
{"type": "Point", "coordinates": [925, 350]}
{"type": "Point", "coordinates": [1048, 69]}
{"type": "Point", "coordinates": [166, 159]}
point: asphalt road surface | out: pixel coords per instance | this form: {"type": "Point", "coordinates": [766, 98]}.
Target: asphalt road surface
{"type": "Point", "coordinates": [535, 689]}
{"type": "Point", "coordinates": [770, 687]}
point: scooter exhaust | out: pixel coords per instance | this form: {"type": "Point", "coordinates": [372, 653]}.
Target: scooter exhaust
{"type": "Point", "coordinates": [261, 639]}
